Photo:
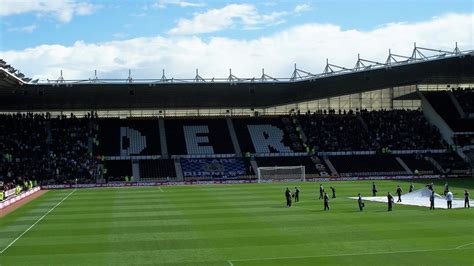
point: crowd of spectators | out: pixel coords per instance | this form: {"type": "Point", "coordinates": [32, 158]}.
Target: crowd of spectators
{"type": "Point", "coordinates": [41, 148]}
{"type": "Point", "coordinates": [465, 97]}
{"type": "Point", "coordinates": [334, 132]}
{"type": "Point", "coordinates": [370, 130]}
{"type": "Point", "coordinates": [401, 130]}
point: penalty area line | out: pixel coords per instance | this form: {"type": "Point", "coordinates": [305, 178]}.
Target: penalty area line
{"type": "Point", "coordinates": [465, 245]}
{"type": "Point", "coordinates": [161, 190]}
{"type": "Point", "coordinates": [35, 223]}
{"type": "Point", "coordinates": [350, 254]}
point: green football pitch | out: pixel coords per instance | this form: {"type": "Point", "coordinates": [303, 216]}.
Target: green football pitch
{"type": "Point", "coordinates": [245, 224]}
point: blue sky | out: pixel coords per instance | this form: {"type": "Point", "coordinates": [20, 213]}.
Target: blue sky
{"type": "Point", "coordinates": [74, 24]}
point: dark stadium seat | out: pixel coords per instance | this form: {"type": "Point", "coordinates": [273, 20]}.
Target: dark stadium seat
{"type": "Point", "coordinates": [419, 162]}
{"type": "Point", "coordinates": [444, 106]}
{"type": "Point", "coordinates": [361, 165]}
{"type": "Point", "coordinates": [401, 130]}
{"type": "Point", "coordinates": [198, 136]}
{"type": "Point", "coordinates": [125, 137]}
{"type": "Point", "coordinates": [267, 135]}
{"type": "Point", "coordinates": [451, 163]}
{"type": "Point", "coordinates": [465, 97]}
{"type": "Point", "coordinates": [117, 169]}
{"type": "Point", "coordinates": [333, 132]}
{"type": "Point", "coordinates": [163, 168]}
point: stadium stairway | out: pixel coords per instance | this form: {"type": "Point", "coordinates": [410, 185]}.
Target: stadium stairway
{"type": "Point", "coordinates": [456, 104]}
{"type": "Point", "coordinates": [164, 144]}
{"type": "Point", "coordinates": [402, 163]}
{"type": "Point", "coordinates": [233, 137]}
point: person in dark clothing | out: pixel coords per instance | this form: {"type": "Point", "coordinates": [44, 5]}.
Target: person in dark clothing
{"type": "Point", "coordinates": [446, 189]}
{"type": "Point", "coordinates": [297, 194]}
{"type": "Point", "coordinates": [288, 197]}
{"type": "Point", "coordinates": [466, 199]}
{"type": "Point", "coordinates": [411, 187]}
{"type": "Point", "coordinates": [374, 189]}
{"type": "Point", "coordinates": [361, 203]}
{"type": "Point", "coordinates": [432, 199]}
{"type": "Point", "coordinates": [390, 201]}
{"type": "Point", "coordinates": [430, 186]}
{"type": "Point", "coordinates": [321, 191]}
{"type": "Point", "coordinates": [333, 192]}
{"type": "Point", "coordinates": [399, 193]}
{"type": "Point", "coordinates": [326, 201]}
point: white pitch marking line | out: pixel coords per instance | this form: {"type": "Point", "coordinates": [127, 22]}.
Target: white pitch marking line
{"type": "Point", "coordinates": [160, 189]}
{"type": "Point", "coordinates": [350, 254]}
{"type": "Point", "coordinates": [465, 245]}
{"type": "Point", "coordinates": [37, 221]}
{"type": "Point", "coordinates": [230, 263]}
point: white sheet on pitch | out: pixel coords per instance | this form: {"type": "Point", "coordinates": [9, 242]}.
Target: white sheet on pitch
{"type": "Point", "coordinates": [421, 198]}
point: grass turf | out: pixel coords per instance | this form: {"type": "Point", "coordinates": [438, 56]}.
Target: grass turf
{"type": "Point", "coordinates": [244, 224]}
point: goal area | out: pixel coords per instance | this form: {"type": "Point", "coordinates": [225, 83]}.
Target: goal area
{"type": "Point", "coordinates": [281, 173]}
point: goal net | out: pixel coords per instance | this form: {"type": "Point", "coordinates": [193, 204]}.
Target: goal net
{"type": "Point", "coordinates": [281, 172]}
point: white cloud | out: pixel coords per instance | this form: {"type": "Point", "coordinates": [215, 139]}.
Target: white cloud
{"type": "Point", "coordinates": [302, 8]}
{"type": "Point", "coordinates": [221, 18]}
{"type": "Point", "coordinates": [165, 3]}
{"type": "Point", "coordinates": [307, 45]}
{"type": "Point", "coordinates": [26, 29]}
{"type": "Point", "coordinates": [61, 10]}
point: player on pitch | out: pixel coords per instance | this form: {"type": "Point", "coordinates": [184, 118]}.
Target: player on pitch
{"type": "Point", "coordinates": [288, 197]}
{"type": "Point", "coordinates": [399, 193]}
{"type": "Point", "coordinates": [390, 201]}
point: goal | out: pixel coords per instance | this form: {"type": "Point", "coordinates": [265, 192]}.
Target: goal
{"type": "Point", "coordinates": [281, 172]}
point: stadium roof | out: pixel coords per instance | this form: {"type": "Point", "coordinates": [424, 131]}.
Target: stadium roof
{"type": "Point", "coordinates": [423, 66]}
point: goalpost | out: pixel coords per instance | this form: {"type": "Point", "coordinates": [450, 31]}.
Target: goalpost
{"type": "Point", "coordinates": [281, 172]}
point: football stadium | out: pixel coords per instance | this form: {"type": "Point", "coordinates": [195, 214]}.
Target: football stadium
{"type": "Point", "coordinates": [370, 163]}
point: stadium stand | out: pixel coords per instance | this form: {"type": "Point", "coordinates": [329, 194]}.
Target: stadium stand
{"type": "Point", "coordinates": [465, 97]}
{"type": "Point", "coordinates": [38, 147]}
{"type": "Point", "coordinates": [198, 136]}
{"type": "Point", "coordinates": [364, 165]}
{"type": "Point", "coordinates": [153, 169]}
{"type": "Point", "coordinates": [117, 170]}
{"type": "Point", "coordinates": [419, 163]}
{"type": "Point", "coordinates": [332, 132]}
{"type": "Point", "coordinates": [126, 137]}
{"type": "Point", "coordinates": [452, 163]}
{"type": "Point", "coordinates": [401, 130]}
{"type": "Point", "coordinates": [267, 135]}
{"type": "Point", "coordinates": [444, 106]}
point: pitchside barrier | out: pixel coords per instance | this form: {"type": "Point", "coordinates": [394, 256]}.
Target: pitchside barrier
{"type": "Point", "coordinates": [246, 181]}
{"type": "Point", "coordinates": [14, 199]}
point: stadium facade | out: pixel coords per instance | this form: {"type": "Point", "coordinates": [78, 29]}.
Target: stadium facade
{"type": "Point", "coordinates": [368, 85]}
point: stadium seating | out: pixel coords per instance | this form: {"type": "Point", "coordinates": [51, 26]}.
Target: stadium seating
{"type": "Point", "coordinates": [267, 135]}
{"type": "Point", "coordinates": [163, 168]}
{"type": "Point", "coordinates": [60, 149]}
{"type": "Point", "coordinates": [401, 130]}
{"type": "Point", "coordinates": [332, 132]}
{"type": "Point", "coordinates": [127, 137]}
{"type": "Point", "coordinates": [117, 169]}
{"type": "Point", "coordinates": [452, 163]}
{"type": "Point", "coordinates": [38, 147]}
{"type": "Point", "coordinates": [465, 97]}
{"type": "Point", "coordinates": [363, 165]}
{"type": "Point", "coordinates": [445, 107]}
{"type": "Point", "coordinates": [419, 162]}
{"type": "Point", "coordinates": [198, 136]}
